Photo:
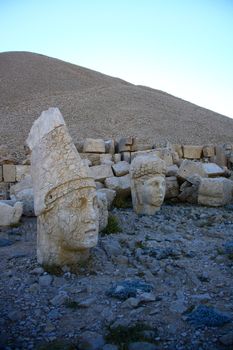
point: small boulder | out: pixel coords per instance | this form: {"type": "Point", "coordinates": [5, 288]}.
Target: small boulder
{"type": "Point", "coordinates": [192, 152]}
{"type": "Point", "coordinates": [93, 146]}
{"type": "Point", "coordinates": [121, 168]}
{"type": "Point", "coordinates": [119, 184]}
{"type": "Point", "coordinates": [215, 192]}
{"type": "Point", "coordinates": [110, 195]}
{"type": "Point", "coordinates": [101, 172]}
{"type": "Point", "coordinates": [10, 214]}
{"type": "Point", "coordinates": [172, 187]}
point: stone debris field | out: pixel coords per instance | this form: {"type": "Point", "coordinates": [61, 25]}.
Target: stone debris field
{"type": "Point", "coordinates": [182, 256]}
{"type": "Point", "coordinates": [115, 245]}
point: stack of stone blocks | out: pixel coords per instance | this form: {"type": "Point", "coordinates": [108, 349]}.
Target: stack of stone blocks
{"type": "Point", "coordinates": [109, 161]}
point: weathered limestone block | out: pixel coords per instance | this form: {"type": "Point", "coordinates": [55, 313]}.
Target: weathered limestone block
{"type": "Point", "coordinates": [212, 169]}
{"type": "Point", "coordinates": [65, 199]}
{"type": "Point", "coordinates": [119, 184]}
{"type": "Point", "coordinates": [10, 214]}
{"type": "Point", "coordinates": [140, 153]}
{"type": "Point", "coordinates": [189, 168]}
{"type": "Point", "coordinates": [21, 171]}
{"type": "Point", "coordinates": [23, 192]}
{"type": "Point", "coordinates": [215, 192]}
{"type": "Point", "coordinates": [117, 157]}
{"type": "Point", "coordinates": [175, 157]}
{"type": "Point", "coordinates": [101, 172]}
{"type": "Point", "coordinates": [93, 146]}
{"type": "Point", "coordinates": [172, 187]}
{"type": "Point", "coordinates": [165, 154]}
{"type": "Point", "coordinates": [106, 159]}
{"type": "Point", "coordinates": [220, 158]}
{"type": "Point", "coordinates": [121, 168]}
{"type": "Point", "coordinates": [9, 173]}
{"type": "Point", "coordinates": [172, 170]}
{"type": "Point", "coordinates": [110, 146]}
{"type": "Point", "coordinates": [192, 152]}
{"type": "Point", "coordinates": [189, 189]}
{"type": "Point", "coordinates": [94, 158]}
{"type": "Point", "coordinates": [179, 149]}
{"type": "Point", "coordinates": [127, 144]}
{"type": "Point", "coordinates": [126, 156]}
{"type": "Point", "coordinates": [147, 174]}
{"type": "Point", "coordinates": [1, 178]}
{"type": "Point", "coordinates": [110, 195]}
{"type": "Point", "coordinates": [103, 210]}
{"type": "Point", "coordinates": [209, 151]}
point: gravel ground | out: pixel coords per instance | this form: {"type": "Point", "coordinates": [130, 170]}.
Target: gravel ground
{"type": "Point", "coordinates": [170, 274]}
{"type": "Point", "coordinates": [96, 105]}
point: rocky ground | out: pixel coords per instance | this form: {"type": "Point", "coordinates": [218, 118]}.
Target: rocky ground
{"type": "Point", "coordinates": [163, 282]}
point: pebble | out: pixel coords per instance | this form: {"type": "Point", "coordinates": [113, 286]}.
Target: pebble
{"type": "Point", "coordinates": [59, 299]}
{"type": "Point", "coordinates": [164, 275]}
{"type": "Point", "coordinates": [45, 280]}
{"type": "Point", "coordinates": [37, 271]}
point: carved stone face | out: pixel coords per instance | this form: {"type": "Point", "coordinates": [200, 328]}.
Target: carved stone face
{"type": "Point", "coordinates": [149, 194]}
{"type": "Point", "coordinates": [78, 219]}
{"type": "Point", "coordinates": [152, 191]}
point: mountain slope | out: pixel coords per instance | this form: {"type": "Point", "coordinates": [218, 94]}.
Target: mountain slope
{"type": "Point", "coordinates": [96, 105]}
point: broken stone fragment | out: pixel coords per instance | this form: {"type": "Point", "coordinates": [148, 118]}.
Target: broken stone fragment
{"type": "Point", "coordinates": [93, 146]}
{"type": "Point", "coordinates": [101, 172]}
{"type": "Point", "coordinates": [121, 168]}
{"type": "Point", "coordinates": [192, 152]}
{"type": "Point", "coordinates": [119, 184]}
{"type": "Point", "coordinates": [215, 192]}
{"type": "Point", "coordinates": [10, 213]}
{"type": "Point", "coordinates": [110, 195]}
{"type": "Point", "coordinates": [189, 189]}
{"type": "Point", "coordinates": [190, 167]}
{"type": "Point", "coordinates": [172, 187]}
{"type": "Point", "coordinates": [209, 151]}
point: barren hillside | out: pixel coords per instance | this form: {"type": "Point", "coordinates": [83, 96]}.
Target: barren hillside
{"type": "Point", "coordinates": [96, 105]}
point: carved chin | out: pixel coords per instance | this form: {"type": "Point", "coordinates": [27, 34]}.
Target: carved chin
{"type": "Point", "coordinates": [86, 240]}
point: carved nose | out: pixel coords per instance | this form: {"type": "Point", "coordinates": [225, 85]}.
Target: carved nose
{"type": "Point", "coordinates": [90, 215]}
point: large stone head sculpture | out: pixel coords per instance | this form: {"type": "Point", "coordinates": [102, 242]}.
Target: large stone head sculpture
{"type": "Point", "coordinates": [65, 200]}
{"type": "Point", "coordinates": [147, 183]}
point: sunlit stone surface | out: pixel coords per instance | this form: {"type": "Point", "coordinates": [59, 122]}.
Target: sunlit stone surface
{"type": "Point", "coordinates": [148, 185]}
{"type": "Point", "coordinates": [65, 199]}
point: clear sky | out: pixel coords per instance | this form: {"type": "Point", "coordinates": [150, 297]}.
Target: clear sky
{"type": "Point", "coordinates": [183, 47]}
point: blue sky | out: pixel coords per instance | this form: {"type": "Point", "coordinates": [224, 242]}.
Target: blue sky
{"type": "Point", "coordinates": [183, 47]}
